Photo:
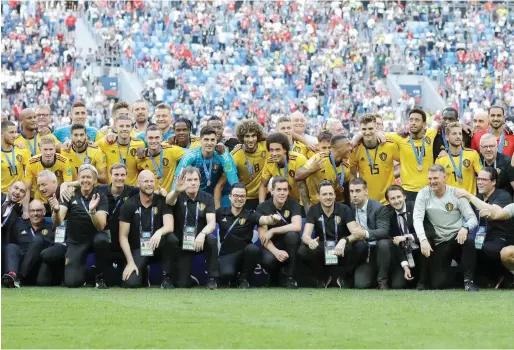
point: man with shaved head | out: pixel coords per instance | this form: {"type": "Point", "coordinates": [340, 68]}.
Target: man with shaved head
{"type": "Point", "coordinates": [480, 121]}
{"type": "Point", "coordinates": [23, 253]}
{"type": "Point", "coordinates": [146, 233]}
{"type": "Point", "coordinates": [29, 136]}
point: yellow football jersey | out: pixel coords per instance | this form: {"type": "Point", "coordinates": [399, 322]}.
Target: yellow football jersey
{"type": "Point", "coordinates": [295, 162]}
{"type": "Point", "coordinates": [413, 179]}
{"type": "Point", "coordinates": [122, 154]}
{"type": "Point", "coordinates": [171, 156]}
{"type": "Point", "coordinates": [92, 155]}
{"type": "Point", "coordinates": [254, 162]}
{"type": "Point", "coordinates": [300, 147]}
{"type": "Point", "coordinates": [378, 169]}
{"type": "Point", "coordinates": [61, 168]}
{"type": "Point", "coordinates": [470, 167]}
{"type": "Point", "coordinates": [32, 145]}
{"type": "Point", "coordinates": [13, 166]}
{"type": "Point", "coordinates": [100, 135]}
{"type": "Point", "coordinates": [327, 172]}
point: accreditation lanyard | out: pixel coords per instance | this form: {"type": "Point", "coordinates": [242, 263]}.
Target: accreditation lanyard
{"type": "Point", "coordinates": [339, 177]}
{"type": "Point", "coordinates": [116, 205]}
{"type": "Point", "coordinates": [324, 229]}
{"type": "Point", "coordinates": [247, 162]}
{"type": "Point", "coordinates": [12, 162]}
{"type": "Point", "coordinates": [282, 217]}
{"type": "Point", "coordinates": [230, 228]}
{"type": "Point", "coordinates": [140, 219]}
{"type": "Point", "coordinates": [33, 149]}
{"type": "Point", "coordinates": [458, 172]}
{"type": "Point", "coordinates": [371, 164]}
{"type": "Point", "coordinates": [419, 155]}
{"type": "Point", "coordinates": [84, 160]}
{"type": "Point", "coordinates": [483, 163]}
{"type": "Point", "coordinates": [85, 207]}
{"type": "Point", "coordinates": [126, 153]}
{"type": "Point", "coordinates": [196, 218]}
{"type": "Point", "coordinates": [158, 170]}
{"type": "Point", "coordinates": [502, 141]}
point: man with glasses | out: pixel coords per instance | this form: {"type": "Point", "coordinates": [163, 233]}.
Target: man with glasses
{"type": "Point", "coordinates": [29, 239]}
{"type": "Point", "coordinates": [490, 157]}
{"type": "Point", "coordinates": [44, 119]}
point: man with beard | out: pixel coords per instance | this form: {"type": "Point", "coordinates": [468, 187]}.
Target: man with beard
{"type": "Point", "coordinates": [47, 160]}
{"type": "Point", "coordinates": [145, 233]}
{"type": "Point", "coordinates": [29, 239]}
{"type": "Point", "coordinates": [81, 152]}
{"type": "Point", "coordinates": [280, 241]}
{"type": "Point", "coordinates": [334, 244]}
{"type": "Point", "coordinates": [14, 159]}
{"type": "Point", "coordinates": [503, 136]}
{"type": "Point", "coordinates": [490, 157]}
{"type": "Point", "coordinates": [450, 115]}
{"type": "Point", "coordinates": [195, 220]}
{"type": "Point", "coordinates": [140, 113]}
{"type": "Point", "coordinates": [452, 219]}
{"type": "Point", "coordinates": [163, 120]}
{"type": "Point", "coordinates": [238, 255]}
{"type": "Point", "coordinates": [123, 149]}
{"type": "Point", "coordinates": [11, 210]}
{"type": "Point", "coordinates": [496, 232]}
{"type": "Point", "coordinates": [461, 164]}
{"type": "Point", "coordinates": [118, 109]}
{"type": "Point", "coordinates": [332, 166]}
{"type": "Point", "coordinates": [78, 115]}
{"type": "Point", "coordinates": [29, 137]}
{"type": "Point", "coordinates": [161, 158]}
{"type": "Point", "coordinates": [86, 213]}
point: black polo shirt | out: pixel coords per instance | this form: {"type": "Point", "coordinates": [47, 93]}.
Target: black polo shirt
{"type": "Point", "coordinates": [291, 208]}
{"type": "Point", "coordinates": [115, 204]}
{"type": "Point", "coordinates": [80, 228]}
{"type": "Point", "coordinates": [506, 171]}
{"type": "Point", "coordinates": [205, 203]}
{"type": "Point", "coordinates": [439, 143]}
{"type": "Point", "coordinates": [48, 208]}
{"type": "Point", "coordinates": [135, 214]}
{"type": "Point", "coordinates": [498, 228]}
{"type": "Point", "coordinates": [23, 233]}
{"type": "Point", "coordinates": [242, 232]}
{"type": "Point", "coordinates": [342, 214]}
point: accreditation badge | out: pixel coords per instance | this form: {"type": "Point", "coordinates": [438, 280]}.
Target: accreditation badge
{"type": "Point", "coordinates": [108, 235]}
{"type": "Point", "coordinates": [60, 233]}
{"type": "Point", "coordinates": [330, 256]}
{"type": "Point", "coordinates": [144, 240]}
{"type": "Point", "coordinates": [188, 243]}
{"type": "Point", "coordinates": [480, 237]}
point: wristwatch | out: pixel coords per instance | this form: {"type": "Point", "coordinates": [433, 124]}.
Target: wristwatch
{"type": "Point", "coordinates": [92, 212]}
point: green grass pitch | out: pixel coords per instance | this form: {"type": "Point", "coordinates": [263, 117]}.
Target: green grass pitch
{"type": "Point", "coordinates": [256, 318]}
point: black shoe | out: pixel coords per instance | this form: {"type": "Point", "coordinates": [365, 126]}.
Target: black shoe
{"type": "Point", "coordinates": [100, 283]}
{"type": "Point", "coordinates": [321, 284]}
{"type": "Point", "coordinates": [243, 284]}
{"type": "Point", "coordinates": [167, 283]}
{"type": "Point", "coordinates": [211, 284]}
{"type": "Point", "coordinates": [291, 283]}
{"type": "Point", "coordinates": [10, 280]}
{"type": "Point", "coordinates": [469, 286]}
{"type": "Point", "coordinates": [421, 286]}
{"type": "Point", "coordinates": [383, 286]}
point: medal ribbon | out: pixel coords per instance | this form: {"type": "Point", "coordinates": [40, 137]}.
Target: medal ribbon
{"type": "Point", "coordinates": [501, 144]}
{"type": "Point", "coordinates": [248, 166]}
{"type": "Point", "coordinates": [208, 171]}
{"type": "Point", "coordinates": [84, 160]}
{"type": "Point", "coordinates": [158, 170]}
{"type": "Point", "coordinates": [458, 172]}
{"type": "Point", "coordinates": [12, 162]}
{"type": "Point", "coordinates": [371, 165]}
{"type": "Point", "coordinates": [339, 177]}
{"type": "Point", "coordinates": [445, 141]}
{"type": "Point", "coordinates": [126, 155]}
{"type": "Point", "coordinates": [419, 155]}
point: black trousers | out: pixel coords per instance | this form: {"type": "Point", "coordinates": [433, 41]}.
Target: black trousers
{"type": "Point", "coordinates": [243, 262]}
{"type": "Point", "coordinates": [76, 255]}
{"type": "Point", "coordinates": [354, 254]}
{"type": "Point", "coordinates": [288, 242]}
{"type": "Point", "coordinates": [489, 264]}
{"type": "Point", "coordinates": [419, 271]}
{"type": "Point", "coordinates": [377, 269]}
{"type": "Point", "coordinates": [185, 261]}
{"type": "Point", "coordinates": [23, 260]}
{"type": "Point", "coordinates": [411, 196]}
{"type": "Point", "coordinates": [440, 260]}
{"type": "Point", "coordinates": [51, 271]}
{"type": "Point", "coordinates": [163, 254]}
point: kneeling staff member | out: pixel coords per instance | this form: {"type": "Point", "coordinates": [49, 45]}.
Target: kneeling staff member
{"type": "Point", "coordinates": [146, 223]}
{"type": "Point", "coordinates": [332, 222]}
{"type": "Point", "coordinates": [237, 252]}
{"type": "Point", "coordinates": [86, 213]}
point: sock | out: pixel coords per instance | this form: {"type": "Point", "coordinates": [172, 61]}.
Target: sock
{"type": "Point", "coordinates": [512, 272]}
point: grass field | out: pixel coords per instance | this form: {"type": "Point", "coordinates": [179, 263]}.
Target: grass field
{"type": "Point", "coordinates": [257, 318]}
